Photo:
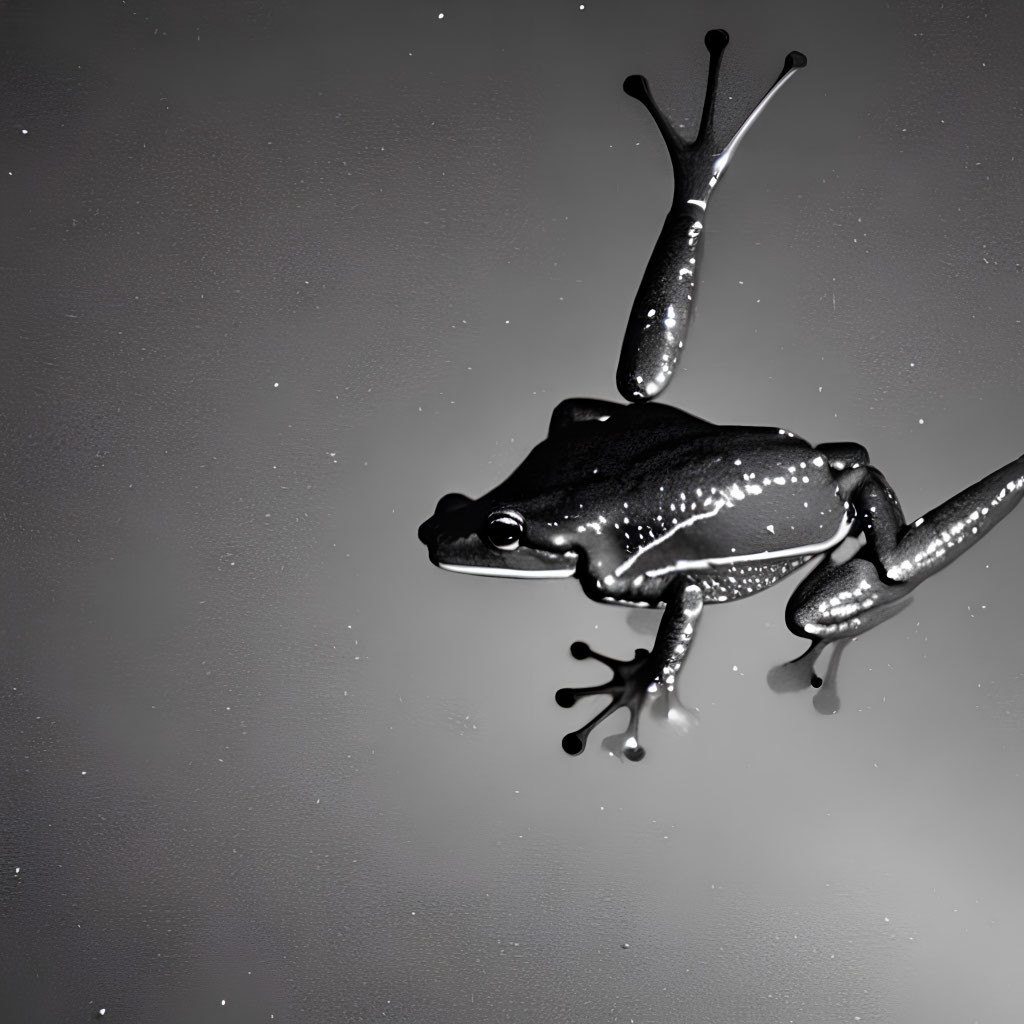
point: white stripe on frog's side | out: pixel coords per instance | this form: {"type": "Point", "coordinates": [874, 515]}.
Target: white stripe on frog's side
{"type": "Point", "coordinates": [628, 563]}
{"type": "Point", "coordinates": [526, 574]}
{"type": "Point", "coordinates": [699, 564]}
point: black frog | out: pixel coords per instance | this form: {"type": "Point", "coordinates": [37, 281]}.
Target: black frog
{"type": "Point", "coordinates": [648, 505]}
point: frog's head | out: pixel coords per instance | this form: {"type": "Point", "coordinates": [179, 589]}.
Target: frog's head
{"type": "Point", "coordinates": [529, 525]}
{"type": "Point", "coordinates": [495, 538]}
{"type": "Point", "coordinates": [548, 519]}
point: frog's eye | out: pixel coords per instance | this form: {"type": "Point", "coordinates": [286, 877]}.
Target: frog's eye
{"type": "Point", "coordinates": [504, 530]}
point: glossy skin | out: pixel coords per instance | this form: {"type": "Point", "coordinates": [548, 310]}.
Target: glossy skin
{"type": "Point", "coordinates": [647, 505]}
{"type": "Point", "coordinates": [663, 308]}
{"type": "Point", "coordinates": [644, 495]}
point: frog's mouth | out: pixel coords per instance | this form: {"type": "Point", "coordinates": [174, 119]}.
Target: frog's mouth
{"type": "Point", "coordinates": [514, 572]}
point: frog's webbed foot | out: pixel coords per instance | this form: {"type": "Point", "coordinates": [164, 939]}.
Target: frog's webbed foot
{"type": "Point", "coordinates": [632, 687]}
{"type": "Point", "coordinates": [628, 688]}
{"type": "Point", "coordinates": [647, 679]}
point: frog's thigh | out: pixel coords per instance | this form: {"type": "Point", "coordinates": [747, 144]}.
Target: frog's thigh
{"type": "Point", "coordinates": [838, 601]}
{"type": "Point", "coordinates": [845, 600]}
{"type": "Point", "coordinates": [908, 554]}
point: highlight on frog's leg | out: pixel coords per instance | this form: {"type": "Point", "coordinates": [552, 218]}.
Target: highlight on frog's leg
{"type": "Point", "coordinates": [793, 62]}
{"type": "Point", "coordinates": [838, 601]}
{"type": "Point", "coordinates": [660, 316]}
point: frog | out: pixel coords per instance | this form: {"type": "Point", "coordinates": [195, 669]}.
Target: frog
{"type": "Point", "coordinates": [647, 505]}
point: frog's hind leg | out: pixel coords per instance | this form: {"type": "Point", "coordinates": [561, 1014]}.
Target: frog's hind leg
{"type": "Point", "coordinates": [648, 676]}
{"type": "Point", "coordinates": [841, 601]}
{"type": "Point", "coordinates": [660, 317]}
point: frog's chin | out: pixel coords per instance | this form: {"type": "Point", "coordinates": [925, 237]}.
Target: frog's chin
{"type": "Point", "coordinates": [512, 572]}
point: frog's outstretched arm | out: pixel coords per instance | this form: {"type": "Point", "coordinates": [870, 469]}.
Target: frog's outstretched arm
{"type": "Point", "coordinates": [660, 317]}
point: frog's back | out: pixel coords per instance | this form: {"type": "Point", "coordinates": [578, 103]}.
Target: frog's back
{"type": "Point", "coordinates": [729, 496]}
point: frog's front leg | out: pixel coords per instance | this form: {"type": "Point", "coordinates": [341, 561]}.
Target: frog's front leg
{"type": "Point", "coordinates": [660, 317]}
{"type": "Point", "coordinates": [646, 677]}
{"type": "Point", "coordinates": [839, 601]}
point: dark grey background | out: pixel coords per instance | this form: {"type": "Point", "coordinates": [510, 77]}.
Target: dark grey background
{"type": "Point", "coordinates": [277, 276]}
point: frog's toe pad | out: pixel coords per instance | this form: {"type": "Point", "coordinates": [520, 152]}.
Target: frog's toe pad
{"type": "Point", "coordinates": [566, 698]}
{"type": "Point", "coordinates": [573, 744]}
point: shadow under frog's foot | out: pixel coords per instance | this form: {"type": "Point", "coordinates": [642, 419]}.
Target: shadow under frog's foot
{"type": "Point", "coordinates": [799, 674]}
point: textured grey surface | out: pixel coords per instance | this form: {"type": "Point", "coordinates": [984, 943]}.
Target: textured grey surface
{"type": "Point", "coordinates": [261, 760]}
